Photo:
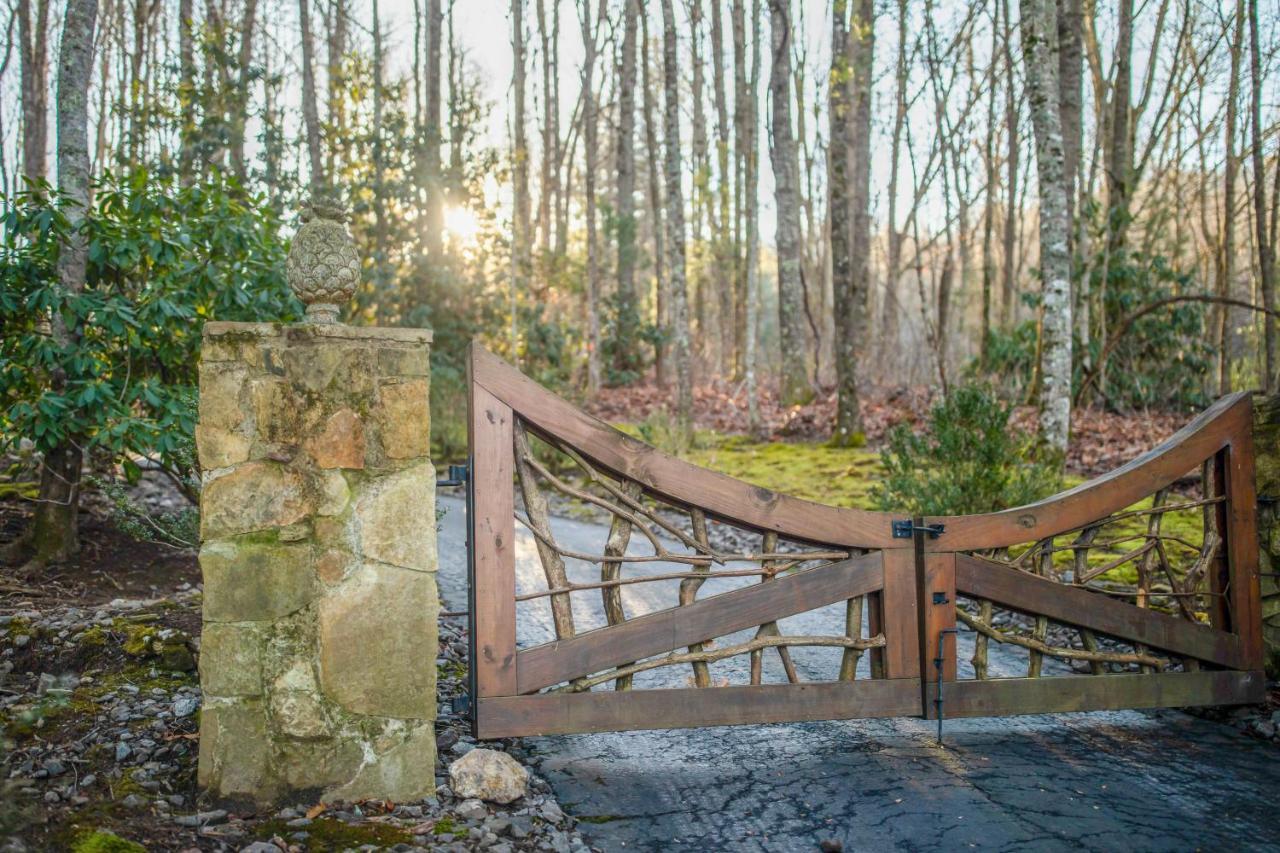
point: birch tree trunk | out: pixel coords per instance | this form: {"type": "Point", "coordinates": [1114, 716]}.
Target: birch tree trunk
{"type": "Point", "coordinates": [625, 158]}
{"type": "Point", "coordinates": [1039, 33]}
{"type": "Point", "coordinates": [1013, 169]}
{"type": "Point", "coordinates": [794, 387]}
{"type": "Point", "coordinates": [704, 303]}
{"type": "Point", "coordinates": [53, 534]}
{"type": "Point", "coordinates": [310, 115]}
{"type": "Point", "coordinates": [741, 137]}
{"type": "Point", "coordinates": [680, 345]}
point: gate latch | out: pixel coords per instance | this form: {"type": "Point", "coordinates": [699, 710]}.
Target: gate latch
{"type": "Point", "coordinates": [457, 476]}
{"type": "Point", "coordinates": [906, 528]}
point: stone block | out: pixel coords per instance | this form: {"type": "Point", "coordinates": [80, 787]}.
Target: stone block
{"type": "Point", "coordinates": [299, 714]}
{"type": "Point", "coordinates": [248, 582]}
{"type": "Point", "coordinates": [404, 420]}
{"type": "Point", "coordinates": [307, 765]}
{"type": "Point", "coordinates": [332, 493]}
{"type": "Point", "coordinates": [235, 751]}
{"type": "Point", "coordinates": [231, 659]}
{"type": "Point", "coordinates": [396, 518]}
{"type": "Point", "coordinates": [220, 385]}
{"type": "Point", "coordinates": [378, 642]}
{"type": "Point", "coordinates": [340, 441]}
{"type": "Point", "coordinates": [279, 413]}
{"type": "Point", "coordinates": [255, 496]}
{"type": "Point", "coordinates": [404, 362]}
{"type": "Point", "coordinates": [403, 772]}
{"type": "Point", "coordinates": [220, 448]}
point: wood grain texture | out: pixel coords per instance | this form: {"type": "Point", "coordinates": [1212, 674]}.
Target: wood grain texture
{"type": "Point", "coordinates": [1000, 697]}
{"type": "Point", "coordinates": [1242, 549]}
{"type": "Point", "coordinates": [897, 616]}
{"type": "Point", "coordinates": [702, 620]}
{"type": "Point", "coordinates": [493, 546]}
{"type": "Point", "coordinates": [562, 713]}
{"type": "Point", "coordinates": [939, 579]}
{"type": "Point", "coordinates": [1020, 590]}
{"type": "Point", "coordinates": [1228, 420]}
{"type": "Point", "coordinates": [676, 480]}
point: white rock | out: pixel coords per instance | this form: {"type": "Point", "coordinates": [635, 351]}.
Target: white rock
{"type": "Point", "coordinates": [488, 775]}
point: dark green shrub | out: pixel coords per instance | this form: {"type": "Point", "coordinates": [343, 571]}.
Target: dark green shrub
{"type": "Point", "coordinates": [968, 459]}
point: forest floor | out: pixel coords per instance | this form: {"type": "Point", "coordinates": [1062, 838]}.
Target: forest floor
{"type": "Point", "coordinates": [1100, 440]}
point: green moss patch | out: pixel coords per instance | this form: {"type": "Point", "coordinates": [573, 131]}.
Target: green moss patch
{"type": "Point", "coordinates": [102, 841]}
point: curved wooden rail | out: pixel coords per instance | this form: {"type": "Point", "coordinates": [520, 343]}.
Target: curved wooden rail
{"type": "Point", "coordinates": [674, 479]}
{"type": "Point", "coordinates": [1227, 423]}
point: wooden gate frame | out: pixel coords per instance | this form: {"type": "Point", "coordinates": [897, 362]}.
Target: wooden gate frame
{"type": "Point", "coordinates": [912, 584]}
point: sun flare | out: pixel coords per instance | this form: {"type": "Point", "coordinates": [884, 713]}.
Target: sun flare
{"type": "Point", "coordinates": [461, 225]}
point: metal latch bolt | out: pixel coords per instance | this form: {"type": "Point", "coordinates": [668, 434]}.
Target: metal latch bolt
{"type": "Point", "coordinates": [457, 476]}
{"type": "Point", "coordinates": [906, 528]}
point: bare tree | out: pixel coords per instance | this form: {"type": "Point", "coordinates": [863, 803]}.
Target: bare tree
{"type": "Point", "coordinates": [662, 285]}
{"type": "Point", "coordinates": [1039, 34]}
{"type": "Point", "coordinates": [520, 237]}
{"type": "Point", "coordinates": [723, 249]}
{"type": "Point", "coordinates": [1231, 167]}
{"type": "Point", "coordinates": [433, 132]}
{"type": "Point", "coordinates": [310, 114]}
{"type": "Point", "coordinates": [889, 307]}
{"type": "Point", "coordinates": [52, 534]}
{"type": "Point", "coordinates": [549, 36]}
{"type": "Point", "coordinates": [751, 176]}
{"type": "Point", "coordinates": [850, 124]}
{"type": "Point", "coordinates": [680, 345]}
{"type": "Point", "coordinates": [1263, 235]}
{"type": "Point", "coordinates": [625, 156]}
{"type": "Point", "coordinates": [590, 122]}
{"type": "Point", "coordinates": [33, 66]}
{"type": "Point", "coordinates": [793, 374]}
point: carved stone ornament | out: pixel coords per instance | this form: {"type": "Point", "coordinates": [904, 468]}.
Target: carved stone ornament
{"type": "Point", "coordinates": [323, 266]}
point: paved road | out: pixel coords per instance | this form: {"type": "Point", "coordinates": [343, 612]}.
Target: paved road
{"type": "Point", "coordinates": [1102, 781]}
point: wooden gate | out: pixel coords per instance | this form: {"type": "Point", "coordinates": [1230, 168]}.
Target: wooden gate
{"type": "Point", "coordinates": [1138, 589]}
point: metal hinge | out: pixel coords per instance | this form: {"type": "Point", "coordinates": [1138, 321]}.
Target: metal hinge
{"type": "Point", "coordinates": [457, 476]}
{"type": "Point", "coordinates": [906, 528]}
{"type": "Point", "coordinates": [461, 705]}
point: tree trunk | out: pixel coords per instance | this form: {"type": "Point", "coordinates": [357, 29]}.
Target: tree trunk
{"type": "Point", "coordinates": [336, 48]}
{"type": "Point", "coordinates": [1263, 236]}
{"type": "Point", "coordinates": [741, 139]}
{"type": "Point", "coordinates": [433, 134]}
{"type": "Point", "coordinates": [1013, 167]}
{"type": "Point", "coordinates": [1070, 69]}
{"type": "Point", "coordinates": [625, 159]}
{"type": "Point", "coordinates": [549, 38]}
{"type": "Point", "coordinates": [33, 59]}
{"type": "Point", "coordinates": [890, 307]}
{"type": "Point", "coordinates": [520, 237]}
{"type": "Point", "coordinates": [384, 308]}
{"type": "Point", "coordinates": [590, 126]}
{"type": "Point", "coordinates": [680, 345]}
{"type": "Point", "coordinates": [186, 91]}
{"type": "Point", "coordinates": [850, 127]}
{"type": "Point", "coordinates": [794, 387]}
{"type": "Point", "coordinates": [662, 288]}
{"type": "Point", "coordinates": [1119, 163]}
{"type": "Point", "coordinates": [1039, 31]}
{"type": "Point", "coordinates": [310, 115]}
{"type": "Point", "coordinates": [1231, 167]}
{"type": "Point", "coordinates": [723, 250]}
{"type": "Point", "coordinates": [53, 533]}
{"type": "Point", "coordinates": [240, 98]}
{"type": "Point", "coordinates": [704, 303]}
{"type": "Point", "coordinates": [751, 174]}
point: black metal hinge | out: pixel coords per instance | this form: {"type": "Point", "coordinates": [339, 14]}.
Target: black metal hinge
{"type": "Point", "coordinates": [457, 476]}
{"type": "Point", "coordinates": [461, 705]}
{"type": "Point", "coordinates": [906, 528]}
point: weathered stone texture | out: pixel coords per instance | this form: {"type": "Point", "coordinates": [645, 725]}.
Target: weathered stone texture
{"type": "Point", "coordinates": [318, 529]}
{"type": "Point", "coordinates": [488, 774]}
{"type": "Point", "coordinates": [1266, 439]}
{"type": "Point", "coordinates": [371, 658]}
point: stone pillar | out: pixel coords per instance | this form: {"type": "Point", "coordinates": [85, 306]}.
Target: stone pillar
{"type": "Point", "coordinates": [1266, 443]}
{"type": "Point", "coordinates": [318, 531]}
